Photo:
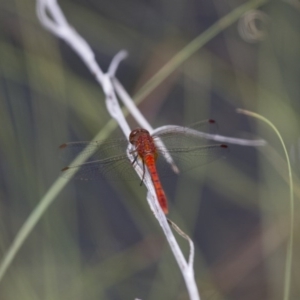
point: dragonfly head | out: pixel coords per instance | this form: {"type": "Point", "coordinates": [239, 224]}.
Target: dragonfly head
{"type": "Point", "coordinates": [136, 133]}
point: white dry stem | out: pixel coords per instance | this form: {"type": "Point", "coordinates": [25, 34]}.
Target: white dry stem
{"type": "Point", "coordinates": [209, 136]}
{"type": "Point", "coordinates": [52, 18]}
{"type": "Point", "coordinates": [185, 236]}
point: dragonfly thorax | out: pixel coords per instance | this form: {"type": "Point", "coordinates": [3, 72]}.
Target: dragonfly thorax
{"type": "Point", "coordinates": [143, 142]}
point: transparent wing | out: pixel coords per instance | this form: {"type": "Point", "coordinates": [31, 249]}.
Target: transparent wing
{"type": "Point", "coordinates": [106, 161]}
{"type": "Point", "coordinates": [189, 147]}
{"type": "Point", "coordinates": [196, 134]}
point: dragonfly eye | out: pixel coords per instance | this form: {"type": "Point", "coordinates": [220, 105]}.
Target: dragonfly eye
{"type": "Point", "coordinates": [136, 133]}
{"type": "Point", "coordinates": [133, 136]}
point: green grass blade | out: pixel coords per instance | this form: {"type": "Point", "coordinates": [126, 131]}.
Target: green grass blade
{"type": "Point", "coordinates": [40, 209]}
{"type": "Point", "coordinates": [288, 264]}
{"type": "Point", "coordinates": [194, 46]}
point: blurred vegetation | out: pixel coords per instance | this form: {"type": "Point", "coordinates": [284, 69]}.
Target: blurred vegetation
{"type": "Point", "coordinates": [99, 240]}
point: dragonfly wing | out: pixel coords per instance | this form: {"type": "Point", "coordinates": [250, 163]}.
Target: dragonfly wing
{"type": "Point", "coordinates": [119, 168]}
{"type": "Point", "coordinates": [190, 158]}
{"type": "Point", "coordinates": [188, 147]}
{"type": "Point", "coordinates": [178, 136]}
{"type": "Point", "coordinates": [98, 160]}
{"type": "Point", "coordinates": [91, 151]}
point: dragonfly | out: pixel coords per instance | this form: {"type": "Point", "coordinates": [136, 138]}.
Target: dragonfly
{"type": "Point", "coordinates": [186, 147]}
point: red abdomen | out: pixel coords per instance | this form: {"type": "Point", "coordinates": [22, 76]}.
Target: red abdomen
{"type": "Point", "coordinates": [149, 160]}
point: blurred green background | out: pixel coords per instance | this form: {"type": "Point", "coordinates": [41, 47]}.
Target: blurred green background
{"type": "Point", "coordinates": [99, 240]}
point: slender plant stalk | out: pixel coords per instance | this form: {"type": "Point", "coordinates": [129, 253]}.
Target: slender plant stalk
{"type": "Point", "coordinates": [289, 256]}
{"type": "Point", "coordinates": [194, 46]}
{"type": "Point", "coordinates": [41, 208]}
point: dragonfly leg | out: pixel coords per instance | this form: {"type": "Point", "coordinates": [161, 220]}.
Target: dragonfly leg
{"type": "Point", "coordinates": [144, 170]}
{"type": "Point", "coordinates": [135, 159]}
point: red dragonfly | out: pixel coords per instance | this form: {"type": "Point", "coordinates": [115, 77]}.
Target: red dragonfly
{"type": "Point", "coordinates": [186, 146]}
